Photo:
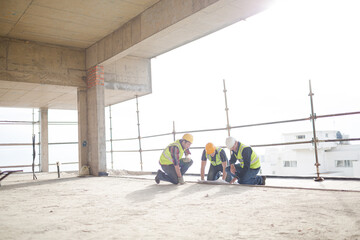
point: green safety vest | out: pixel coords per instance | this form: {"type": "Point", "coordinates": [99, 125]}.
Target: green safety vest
{"type": "Point", "coordinates": [216, 159]}
{"type": "Point", "coordinates": [165, 158]}
{"type": "Point", "coordinates": [255, 161]}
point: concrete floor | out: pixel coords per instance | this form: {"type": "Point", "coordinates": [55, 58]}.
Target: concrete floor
{"type": "Point", "coordinates": [134, 207]}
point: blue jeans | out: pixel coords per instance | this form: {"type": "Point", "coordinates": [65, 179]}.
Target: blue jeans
{"type": "Point", "coordinates": [169, 174]}
{"type": "Point", "coordinates": [214, 173]}
{"type": "Point", "coordinates": [250, 177]}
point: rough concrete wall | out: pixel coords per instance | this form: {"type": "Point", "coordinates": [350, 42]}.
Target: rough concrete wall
{"type": "Point", "coordinates": [129, 73]}
{"type": "Point", "coordinates": [31, 62]}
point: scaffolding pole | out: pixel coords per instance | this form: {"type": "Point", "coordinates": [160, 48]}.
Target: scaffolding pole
{"type": "Point", "coordinates": [174, 133]}
{"type": "Point", "coordinates": [33, 146]}
{"type": "Point", "coordinates": [111, 139]}
{"type": "Point", "coordinates": [314, 140]}
{"type": "Point", "coordinates": [227, 110]}
{"type": "Point", "coordinates": [139, 136]}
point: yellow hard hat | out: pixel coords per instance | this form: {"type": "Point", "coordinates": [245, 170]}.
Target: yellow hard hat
{"type": "Point", "coordinates": [210, 148]}
{"type": "Point", "coordinates": [188, 137]}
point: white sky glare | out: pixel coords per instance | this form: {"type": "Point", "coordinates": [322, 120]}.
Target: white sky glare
{"type": "Point", "coordinates": [267, 62]}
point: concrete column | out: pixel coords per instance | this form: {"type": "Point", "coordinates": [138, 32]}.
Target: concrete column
{"type": "Point", "coordinates": [44, 140]}
{"type": "Point", "coordinates": [82, 127]}
{"type": "Point", "coordinates": [96, 121]}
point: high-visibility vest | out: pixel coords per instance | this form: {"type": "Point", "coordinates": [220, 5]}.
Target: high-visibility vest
{"type": "Point", "coordinates": [216, 160]}
{"type": "Point", "coordinates": [255, 161]}
{"type": "Point", "coordinates": [166, 158]}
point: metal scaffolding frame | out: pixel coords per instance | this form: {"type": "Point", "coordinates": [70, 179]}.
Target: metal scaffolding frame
{"type": "Point", "coordinates": [315, 141]}
{"type": "Point", "coordinates": [34, 124]}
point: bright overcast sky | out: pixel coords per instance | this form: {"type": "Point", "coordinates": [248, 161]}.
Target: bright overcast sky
{"type": "Point", "coordinates": [267, 62]}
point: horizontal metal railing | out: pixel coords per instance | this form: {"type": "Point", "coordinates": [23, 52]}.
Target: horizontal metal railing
{"type": "Point", "coordinates": [312, 118]}
{"type": "Point", "coordinates": [245, 126]}
{"type": "Point", "coordinates": [33, 123]}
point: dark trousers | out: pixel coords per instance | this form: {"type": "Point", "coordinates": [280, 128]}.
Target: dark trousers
{"type": "Point", "coordinates": [169, 174]}
{"type": "Point", "coordinates": [250, 177]}
{"type": "Point", "coordinates": [214, 173]}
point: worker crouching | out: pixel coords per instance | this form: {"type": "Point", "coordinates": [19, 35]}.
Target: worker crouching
{"type": "Point", "coordinates": [172, 163]}
{"type": "Point", "coordinates": [218, 160]}
{"type": "Point", "coordinates": [245, 172]}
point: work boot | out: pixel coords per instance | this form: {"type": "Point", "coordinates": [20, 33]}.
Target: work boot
{"type": "Point", "coordinates": [263, 180]}
{"type": "Point", "coordinates": [157, 178]}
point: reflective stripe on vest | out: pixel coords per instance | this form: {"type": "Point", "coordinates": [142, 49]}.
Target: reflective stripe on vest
{"type": "Point", "coordinates": [165, 158]}
{"type": "Point", "coordinates": [255, 162]}
{"type": "Point", "coordinates": [217, 158]}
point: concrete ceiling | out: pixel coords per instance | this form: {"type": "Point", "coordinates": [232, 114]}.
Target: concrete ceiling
{"type": "Point", "coordinates": [83, 23]}
{"type": "Point", "coordinates": [75, 23]}
{"type": "Point", "coordinates": [72, 23]}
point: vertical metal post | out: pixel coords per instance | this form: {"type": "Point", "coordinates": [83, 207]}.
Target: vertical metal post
{"type": "Point", "coordinates": [174, 131]}
{"type": "Point", "coordinates": [33, 145]}
{"type": "Point", "coordinates": [39, 136]}
{"type": "Point", "coordinates": [226, 109]}
{"type": "Point", "coordinates": [111, 140]}
{"type": "Point", "coordinates": [313, 117]}
{"type": "Point", "coordinates": [138, 120]}
{"type": "Point", "coordinates": [58, 169]}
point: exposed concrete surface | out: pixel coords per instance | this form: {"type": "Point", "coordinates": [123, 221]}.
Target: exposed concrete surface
{"type": "Point", "coordinates": [96, 130]}
{"type": "Point", "coordinates": [33, 62]}
{"type": "Point", "coordinates": [40, 75]}
{"type": "Point", "coordinates": [52, 43]}
{"type": "Point", "coordinates": [169, 24]}
{"type": "Point", "coordinates": [128, 208]}
{"type": "Point", "coordinates": [69, 22]}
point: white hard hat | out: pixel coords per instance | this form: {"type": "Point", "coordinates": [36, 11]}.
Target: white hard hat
{"type": "Point", "coordinates": [230, 142]}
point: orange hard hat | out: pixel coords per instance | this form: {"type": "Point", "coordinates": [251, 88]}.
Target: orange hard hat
{"type": "Point", "coordinates": [210, 148]}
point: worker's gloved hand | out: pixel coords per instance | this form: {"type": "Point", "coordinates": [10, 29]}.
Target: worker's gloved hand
{"type": "Point", "coordinates": [186, 159]}
{"type": "Point", "coordinates": [181, 180]}
{"type": "Point", "coordinates": [233, 180]}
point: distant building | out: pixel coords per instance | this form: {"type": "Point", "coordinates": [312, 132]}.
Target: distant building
{"type": "Point", "coordinates": [338, 158]}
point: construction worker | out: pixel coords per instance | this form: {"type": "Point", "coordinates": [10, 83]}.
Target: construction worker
{"type": "Point", "coordinates": [246, 171]}
{"type": "Point", "coordinates": [172, 163]}
{"type": "Point", "coordinates": [218, 160]}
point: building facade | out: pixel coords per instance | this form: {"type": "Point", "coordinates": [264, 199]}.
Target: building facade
{"type": "Point", "coordinates": [337, 158]}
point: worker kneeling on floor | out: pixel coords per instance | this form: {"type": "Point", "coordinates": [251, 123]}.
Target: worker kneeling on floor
{"type": "Point", "coordinates": [245, 172]}
{"type": "Point", "coordinates": [219, 162]}
{"type": "Point", "coordinates": [172, 163]}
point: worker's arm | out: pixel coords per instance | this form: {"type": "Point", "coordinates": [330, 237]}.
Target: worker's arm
{"type": "Point", "coordinates": [224, 172]}
{"type": "Point", "coordinates": [224, 161]}
{"type": "Point", "coordinates": [176, 159]}
{"type": "Point", "coordinates": [203, 164]}
{"type": "Point", "coordinates": [233, 180]}
{"type": "Point", "coordinates": [177, 169]}
{"type": "Point", "coordinates": [233, 170]}
{"type": "Point", "coordinates": [233, 159]}
{"type": "Point", "coordinates": [202, 172]}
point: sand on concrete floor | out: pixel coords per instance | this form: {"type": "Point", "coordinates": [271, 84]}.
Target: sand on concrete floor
{"type": "Point", "coordinates": [125, 208]}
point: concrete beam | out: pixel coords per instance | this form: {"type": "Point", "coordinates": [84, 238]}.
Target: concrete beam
{"type": "Point", "coordinates": [32, 62]}
{"type": "Point", "coordinates": [169, 24]}
{"type": "Point", "coordinates": [130, 74]}
{"type": "Point", "coordinates": [155, 19]}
